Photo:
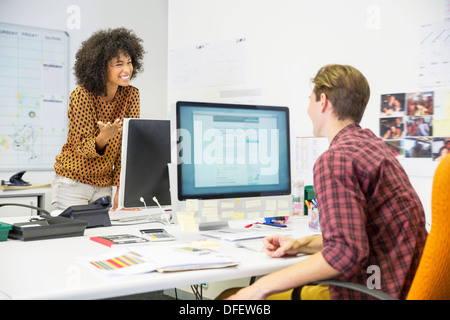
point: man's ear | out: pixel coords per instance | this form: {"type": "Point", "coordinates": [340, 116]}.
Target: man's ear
{"type": "Point", "coordinates": [324, 102]}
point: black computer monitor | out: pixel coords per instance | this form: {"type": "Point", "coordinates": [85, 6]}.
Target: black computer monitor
{"type": "Point", "coordinates": [232, 150]}
{"type": "Point", "coordinates": [144, 171]}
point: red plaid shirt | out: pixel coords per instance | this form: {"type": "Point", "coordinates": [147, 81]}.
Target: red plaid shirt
{"type": "Point", "coordinates": [370, 214]}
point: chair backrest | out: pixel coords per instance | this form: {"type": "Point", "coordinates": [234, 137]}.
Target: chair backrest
{"type": "Point", "coordinates": [432, 279]}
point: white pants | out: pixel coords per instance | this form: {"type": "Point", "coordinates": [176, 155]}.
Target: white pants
{"type": "Point", "coordinates": [67, 192]}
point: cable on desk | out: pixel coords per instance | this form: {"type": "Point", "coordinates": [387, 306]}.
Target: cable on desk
{"type": "Point", "coordinates": [42, 212]}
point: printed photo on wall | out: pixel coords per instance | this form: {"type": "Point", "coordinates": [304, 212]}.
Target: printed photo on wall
{"type": "Point", "coordinates": [441, 146]}
{"type": "Point", "coordinates": [420, 103]}
{"type": "Point", "coordinates": [421, 126]}
{"type": "Point", "coordinates": [392, 128]}
{"type": "Point", "coordinates": [396, 146]}
{"type": "Point", "coordinates": [417, 147]}
{"type": "Point", "coordinates": [392, 104]}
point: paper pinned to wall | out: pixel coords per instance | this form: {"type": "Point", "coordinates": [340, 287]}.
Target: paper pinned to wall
{"type": "Point", "coordinates": [211, 64]}
{"type": "Point", "coordinates": [441, 128]}
{"type": "Point", "coordinates": [447, 104]}
{"type": "Point", "coordinates": [447, 9]}
{"type": "Point", "coordinates": [308, 149]}
{"type": "Point", "coordinates": [434, 55]}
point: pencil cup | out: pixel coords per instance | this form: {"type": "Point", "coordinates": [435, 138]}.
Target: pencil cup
{"type": "Point", "coordinates": [313, 220]}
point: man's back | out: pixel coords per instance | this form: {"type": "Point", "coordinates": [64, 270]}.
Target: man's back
{"type": "Point", "coordinates": [369, 213]}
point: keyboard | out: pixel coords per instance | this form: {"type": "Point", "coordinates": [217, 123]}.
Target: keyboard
{"type": "Point", "coordinates": [132, 215]}
{"type": "Point", "coordinates": [254, 245]}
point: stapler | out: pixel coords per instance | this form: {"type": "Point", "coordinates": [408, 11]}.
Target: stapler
{"type": "Point", "coordinates": [276, 221]}
{"type": "Point", "coordinates": [16, 180]}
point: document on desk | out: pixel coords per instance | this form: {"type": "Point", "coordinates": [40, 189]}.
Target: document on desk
{"type": "Point", "coordinates": [231, 234]}
{"type": "Point", "coordinates": [142, 259]}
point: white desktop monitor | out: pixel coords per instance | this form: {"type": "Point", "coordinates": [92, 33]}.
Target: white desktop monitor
{"type": "Point", "coordinates": [232, 150]}
{"type": "Point", "coordinates": [144, 171]}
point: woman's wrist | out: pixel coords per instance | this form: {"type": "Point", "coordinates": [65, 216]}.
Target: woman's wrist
{"type": "Point", "coordinates": [100, 144]}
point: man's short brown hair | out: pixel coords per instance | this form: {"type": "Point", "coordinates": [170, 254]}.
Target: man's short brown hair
{"type": "Point", "coordinates": [346, 88]}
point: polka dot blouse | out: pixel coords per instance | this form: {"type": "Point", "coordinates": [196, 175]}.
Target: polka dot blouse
{"type": "Point", "coordinates": [79, 159]}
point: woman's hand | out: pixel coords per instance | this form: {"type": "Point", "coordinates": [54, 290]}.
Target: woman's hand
{"type": "Point", "coordinates": [107, 131]}
{"type": "Point", "coordinates": [116, 203]}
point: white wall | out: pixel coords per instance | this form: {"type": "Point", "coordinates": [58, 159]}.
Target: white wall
{"type": "Point", "coordinates": [289, 40]}
{"type": "Point", "coordinates": [148, 18]}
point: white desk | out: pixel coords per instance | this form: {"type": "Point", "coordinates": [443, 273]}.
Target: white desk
{"type": "Point", "coordinates": [48, 269]}
{"type": "Point", "coordinates": [35, 197]}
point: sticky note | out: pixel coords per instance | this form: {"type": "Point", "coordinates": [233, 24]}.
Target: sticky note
{"type": "Point", "coordinates": [253, 203]}
{"type": "Point", "coordinates": [283, 204]}
{"type": "Point", "coordinates": [186, 221]}
{"type": "Point", "coordinates": [227, 205]}
{"type": "Point", "coordinates": [269, 214]}
{"type": "Point", "coordinates": [271, 205]}
{"type": "Point", "coordinates": [192, 205]}
{"type": "Point", "coordinates": [205, 243]}
{"type": "Point", "coordinates": [253, 215]}
{"type": "Point", "coordinates": [210, 203]}
{"type": "Point", "coordinates": [228, 215]}
{"type": "Point", "coordinates": [210, 213]}
{"type": "Point", "coordinates": [238, 216]}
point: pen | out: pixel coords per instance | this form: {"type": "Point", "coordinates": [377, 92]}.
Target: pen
{"type": "Point", "coordinates": [307, 204]}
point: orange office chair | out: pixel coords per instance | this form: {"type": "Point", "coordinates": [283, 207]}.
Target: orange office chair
{"type": "Point", "coordinates": [432, 278]}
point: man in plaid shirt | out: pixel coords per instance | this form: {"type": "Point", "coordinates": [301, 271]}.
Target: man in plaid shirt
{"type": "Point", "coordinates": [370, 216]}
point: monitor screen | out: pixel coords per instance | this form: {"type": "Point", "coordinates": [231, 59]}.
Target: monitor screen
{"type": "Point", "coordinates": [232, 151]}
{"type": "Point", "coordinates": [145, 155]}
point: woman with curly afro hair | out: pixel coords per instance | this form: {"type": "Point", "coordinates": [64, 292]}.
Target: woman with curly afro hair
{"type": "Point", "coordinates": [89, 163]}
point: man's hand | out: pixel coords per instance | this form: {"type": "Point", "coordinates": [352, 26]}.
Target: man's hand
{"type": "Point", "coordinates": [277, 246]}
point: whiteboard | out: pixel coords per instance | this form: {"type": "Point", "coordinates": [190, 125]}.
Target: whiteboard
{"type": "Point", "coordinates": [34, 81]}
